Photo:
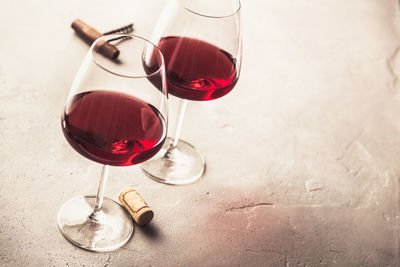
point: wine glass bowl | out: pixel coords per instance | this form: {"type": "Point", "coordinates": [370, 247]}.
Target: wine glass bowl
{"type": "Point", "coordinates": [201, 44]}
{"type": "Point", "coordinates": [114, 115]}
{"type": "Point", "coordinates": [206, 74]}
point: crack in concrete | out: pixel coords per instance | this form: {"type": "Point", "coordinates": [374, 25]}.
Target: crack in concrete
{"type": "Point", "coordinates": [108, 261]}
{"type": "Point", "coordinates": [390, 64]}
{"type": "Point", "coordinates": [336, 251]}
{"type": "Point", "coordinates": [357, 172]}
{"type": "Point", "coordinates": [314, 185]}
{"type": "Point", "coordinates": [249, 206]}
{"type": "Point", "coordinates": [264, 251]}
{"type": "Point", "coordinates": [349, 145]}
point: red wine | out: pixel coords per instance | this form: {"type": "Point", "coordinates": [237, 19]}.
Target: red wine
{"type": "Point", "coordinates": [113, 128]}
{"type": "Point", "coordinates": [197, 70]}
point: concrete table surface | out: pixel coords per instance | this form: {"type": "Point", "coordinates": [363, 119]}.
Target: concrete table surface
{"type": "Point", "coordinates": [303, 156]}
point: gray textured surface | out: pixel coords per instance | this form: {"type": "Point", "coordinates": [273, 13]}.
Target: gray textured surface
{"type": "Point", "coordinates": [303, 156]}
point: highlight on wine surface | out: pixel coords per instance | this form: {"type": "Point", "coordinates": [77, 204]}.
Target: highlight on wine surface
{"type": "Point", "coordinates": [116, 114]}
{"type": "Point", "coordinates": [202, 47]}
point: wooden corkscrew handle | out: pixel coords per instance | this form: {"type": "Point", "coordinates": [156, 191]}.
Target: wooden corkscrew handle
{"type": "Point", "coordinates": [90, 34]}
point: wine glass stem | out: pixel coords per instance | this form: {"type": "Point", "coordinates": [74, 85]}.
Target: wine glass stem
{"type": "Point", "coordinates": [178, 124]}
{"type": "Point", "coordinates": [100, 193]}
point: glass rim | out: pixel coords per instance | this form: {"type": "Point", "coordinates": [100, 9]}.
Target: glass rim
{"type": "Point", "coordinates": [104, 37]}
{"type": "Point", "coordinates": [213, 16]}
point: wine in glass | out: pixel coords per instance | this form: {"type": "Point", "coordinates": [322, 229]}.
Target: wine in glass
{"type": "Point", "coordinates": [201, 44]}
{"type": "Point", "coordinates": [116, 114]}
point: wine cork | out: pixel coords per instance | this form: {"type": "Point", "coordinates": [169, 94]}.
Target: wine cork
{"type": "Point", "coordinates": [90, 34]}
{"type": "Point", "coordinates": [136, 206]}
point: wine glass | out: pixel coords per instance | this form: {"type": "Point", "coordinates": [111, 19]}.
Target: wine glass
{"type": "Point", "coordinates": [201, 44]}
{"type": "Point", "coordinates": [116, 114]}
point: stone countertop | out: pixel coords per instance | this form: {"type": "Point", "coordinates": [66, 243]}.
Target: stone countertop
{"type": "Point", "coordinates": [303, 156]}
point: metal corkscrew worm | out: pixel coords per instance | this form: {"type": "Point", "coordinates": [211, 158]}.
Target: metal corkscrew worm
{"type": "Point", "coordinates": [125, 29]}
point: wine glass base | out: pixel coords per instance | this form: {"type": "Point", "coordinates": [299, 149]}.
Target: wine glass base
{"type": "Point", "coordinates": [178, 166]}
{"type": "Point", "coordinates": [112, 228]}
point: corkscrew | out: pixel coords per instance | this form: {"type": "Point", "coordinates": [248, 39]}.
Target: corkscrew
{"type": "Point", "coordinates": [125, 29]}
{"type": "Point", "coordinates": [90, 34]}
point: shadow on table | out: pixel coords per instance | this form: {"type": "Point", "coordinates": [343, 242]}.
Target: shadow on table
{"type": "Point", "coordinates": [151, 231]}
